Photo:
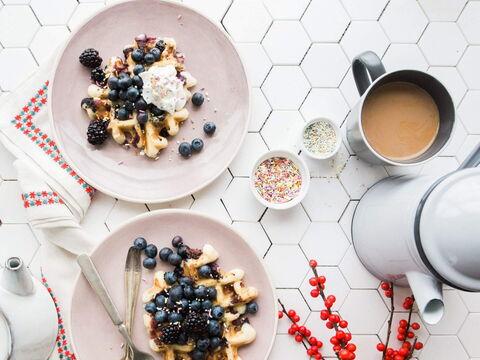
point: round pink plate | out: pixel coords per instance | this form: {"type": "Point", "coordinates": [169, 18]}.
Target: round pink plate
{"type": "Point", "coordinates": [95, 337]}
{"type": "Point", "coordinates": [210, 57]}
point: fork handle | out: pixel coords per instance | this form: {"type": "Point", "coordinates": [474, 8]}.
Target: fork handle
{"type": "Point", "coordinates": [93, 278]}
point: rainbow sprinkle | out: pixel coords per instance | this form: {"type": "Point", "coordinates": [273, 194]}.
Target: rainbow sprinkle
{"type": "Point", "coordinates": [278, 180]}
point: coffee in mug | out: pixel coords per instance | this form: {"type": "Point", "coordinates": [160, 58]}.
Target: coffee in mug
{"type": "Point", "coordinates": [400, 120]}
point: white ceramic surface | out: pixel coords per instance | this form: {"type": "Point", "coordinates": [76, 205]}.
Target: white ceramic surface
{"type": "Point", "coordinates": [338, 143]}
{"type": "Point", "coordinates": [5, 339]}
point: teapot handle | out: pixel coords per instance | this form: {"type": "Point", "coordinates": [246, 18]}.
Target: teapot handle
{"type": "Point", "coordinates": [472, 160]}
{"type": "Point", "coordinates": [366, 67]}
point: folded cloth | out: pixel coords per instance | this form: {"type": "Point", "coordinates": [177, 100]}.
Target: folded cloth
{"type": "Point", "coordinates": [54, 196]}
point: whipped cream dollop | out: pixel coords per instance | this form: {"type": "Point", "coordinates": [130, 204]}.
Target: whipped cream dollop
{"type": "Point", "coordinates": [162, 88]}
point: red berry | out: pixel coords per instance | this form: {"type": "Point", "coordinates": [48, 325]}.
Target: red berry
{"type": "Point", "coordinates": [388, 293]}
{"type": "Point", "coordinates": [313, 281]}
{"type": "Point", "coordinates": [314, 293]}
{"type": "Point", "coordinates": [328, 304]}
{"type": "Point", "coordinates": [410, 335]}
{"type": "Point", "coordinates": [334, 340]}
{"type": "Point", "coordinates": [340, 335]}
{"type": "Point", "coordinates": [308, 333]}
{"type": "Point", "coordinates": [302, 330]}
{"type": "Point", "coordinates": [403, 351]}
{"type": "Point", "coordinates": [280, 314]}
{"type": "Point", "coordinates": [318, 357]}
{"type": "Point", "coordinates": [313, 263]}
{"type": "Point", "coordinates": [348, 337]}
{"type": "Point", "coordinates": [336, 348]}
{"type": "Point", "coordinates": [407, 345]}
{"type": "Point", "coordinates": [314, 349]}
{"type": "Point", "coordinates": [324, 314]}
{"type": "Point", "coordinates": [334, 318]}
{"type": "Point", "coordinates": [294, 327]}
{"type": "Point", "coordinates": [418, 345]}
{"type": "Point", "coordinates": [331, 298]}
{"type": "Point", "coordinates": [385, 286]}
{"type": "Point", "coordinates": [403, 323]}
{"type": "Point", "coordinates": [321, 279]}
{"type": "Point", "coordinates": [398, 357]}
{"type": "Point", "coordinates": [319, 344]}
{"type": "Point", "coordinates": [351, 347]}
{"type": "Point", "coordinates": [291, 313]}
{"type": "Point", "coordinates": [407, 306]}
{"type": "Point", "coordinates": [344, 354]}
{"type": "Point", "coordinates": [296, 318]}
{"type": "Point", "coordinates": [400, 337]}
{"type": "Point", "coordinates": [291, 331]}
{"type": "Point", "coordinates": [343, 324]}
{"type": "Point", "coordinates": [298, 338]}
{"type": "Point", "coordinates": [329, 325]}
{"type": "Point", "coordinates": [402, 330]}
{"type": "Point", "coordinates": [415, 326]}
{"type": "Point", "coordinates": [389, 351]}
{"type": "Point", "coordinates": [310, 352]}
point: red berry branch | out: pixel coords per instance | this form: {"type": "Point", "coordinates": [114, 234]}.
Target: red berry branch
{"type": "Point", "coordinates": [343, 348]}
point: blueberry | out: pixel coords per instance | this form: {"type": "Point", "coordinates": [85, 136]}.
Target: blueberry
{"type": "Point", "coordinates": [197, 145]}
{"type": "Point", "coordinates": [123, 75]}
{"type": "Point", "coordinates": [125, 82]}
{"type": "Point", "coordinates": [207, 305]}
{"type": "Point", "coordinates": [122, 114]}
{"type": "Point", "coordinates": [149, 58]}
{"type": "Point", "coordinates": [195, 305]}
{"type": "Point", "coordinates": [122, 94]}
{"type": "Point", "coordinates": [160, 45]}
{"type": "Point", "coordinates": [141, 104]}
{"type": "Point", "coordinates": [184, 304]}
{"type": "Point", "coordinates": [188, 292]}
{"type": "Point", "coordinates": [197, 355]}
{"type": "Point", "coordinates": [175, 318]}
{"type": "Point", "coordinates": [156, 53]}
{"type": "Point", "coordinates": [140, 243]}
{"type": "Point", "coordinates": [165, 253]}
{"type": "Point", "coordinates": [214, 328]}
{"type": "Point", "coordinates": [177, 241]}
{"type": "Point", "coordinates": [113, 82]}
{"type": "Point", "coordinates": [142, 117]}
{"type": "Point", "coordinates": [205, 271]}
{"type": "Point", "coordinates": [170, 277]}
{"type": "Point", "coordinates": [185, 280]}
{"type": "Point", "coordinates": [132, 93]}
{"type": "Point", "coordinates": [252, 308]}
{"type": "Point", "coordinates": [160, 300]}
{"type": "Point", "coordinates": [149, 263]}
{"type": "Point", "coordinates": [137, 81]}
{"type": "Point", "coordinates": [156, 111]}
{"type": "Point", "coordinates": [182, 339]}
{"type": "Point", "coordinates": [183, 251]}
{"type": "Point", "coordinates": [113, 95]}
{"type": "Point", "coordinates": [176, 293]}
{"type": "Point", "coordinates": [203, 344]}
{"type": "Point", "coordinates": [212, 293]}
{"type": "Point", "coordinates": [151, 251]}
{"type": "Point", "coordinates": [215, 342]}
{"type": "Point", "coordinates": [209, 128]}
{"type": "Point", "coordinates": [217, 312]}
{"type": "Point", "coordinates": [129, 106]}
{"type": "Point", "coordinates": [161, 316]}
{"type": "Point", "coordinates": [171, 304]}
{"type": "Point", "coordinates": [151, 308]}
{"type": "Point", "coordinates": [201, 292]}
{"type": "Point", "coordinates": [175, 259]}
{"type": "Point", "coordinates": [198, 99]}
{"type": "Point", "coordinates": [137, 69]}
{"type": "Point", "coordinates": [137, 55]}
{"type": "Point", "coordinates": [185, 149]}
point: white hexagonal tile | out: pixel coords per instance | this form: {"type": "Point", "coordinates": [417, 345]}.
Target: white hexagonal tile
{"type": "Point", "coordinates": [327, 103]}
{"type": "Point", "coordinates": [247, 20]}
{"type": "Point", "coordinates": [17, 240]}
{"type": "Point", "coordinates": [14, 213]}
{"type": "Point", "coordinates": [274, 42]}
{"type": "Point", "coordinates": [286, 276]}
{"type": "Point", "coordinates": [213, 207]}
{"type": "Point", "coordinates": [421, 333]}
{"type": "Point", "coordinates": [278, 96]}
{"type": "Point", "coordinates": [362, 36]}
{"type": "Point", "coordinates": [292, 299]}
{"type": "Point", "coordinates": [7, 171]}
{"type": "Point", "coordinates": [123, 211]}
{"type": "Point", "coordinates": [325, 65]}
{"type": "Point", "coordinates": [346, 219]}
{"type": "Point", "coordinates": [442, 10]}
{"type": "Point", "coordinates": [254, 234]}
{"type": "Point", "coordinates": [450, 77]}
{"type": "Point", "coordinates": [285, 226]}
{"type": "Point", "coordinates": [286, 9]}
{"type": "Point", "coordinates": [46, 41]}
{"type": "Point", "coordinates": [412, 170]}
{"type": "Point", "coordinates": [326, 200]}
{"type": "Point", "coordinates": [455, 314]}
{"type": "Point", "coordinates": [15, 2]}
{"type": "Point", "coordinates": [358, 176]}
{"type": "Point", "coordinates": [325, 20]}
{"type": "Point", "coordinates": [403, 21]}
{"type": "Point", "coordinates": [282, 130]}
{"type": "Point", "coordinates": [467, 67]}
{"type": "Point", "coordinates": [349, 89]}
{"type": "Point", "coordinates": [20, 65]}
{"type": "Point", "coordinates": [322, 333]}
{"type": "Point", "coordinates": [439, 166]}
{"type": "Point", "coordinates": [404, 56]}
{"type": "Point", "coordinates": [365, 10]}
{"type": "Point", "coordinates": [253, 146]}
{"type": "Point", "coordinates": [82, 13]}
{"type": "Point", "coordinates": [328, 168]}
{"type": "Point", "coordinates": [366, 346]}
{"type": "Point", "coordinates": [240, 202]}
{"type": "Point", "coordinates": [335, 285]}
{"type": "Point", "coordinates": [357, 276]}
{"type": "Point", "coordinates": [183, 203]}
{"type": "Point", "coordinates": [456, 141]}
{"type": "Point", "coordinates": [17, 25]}
{"type": "Point", "coordinates": [325, 242]}
{"type": "Point", "coordinates": [468, 335]}
{"type": "Point", "coordinates": [94, 220]}
{"type": "Point", "coordinates": [53, 12]}
{"type": "Point", "coordinates": [256, 62]}
{"type": "Point", "coordinates": [468, 111]}
{"type": "Point", "coordinates": [260, 110]}
{"type": "Point", "coordinates": [452, 40]}
{"type": "Point", "coordinates": [471, 300]}
{"type": "Point", "coordinates": [467, 147]}
{"type": "Point", "coordinates": [469, 20]}
{"type": "Point", "coordinates": [214, 9]}
{"type": "Point", "coordinates": [217, 188]}
{"type": "Point", "coordinates": [364, 322]}
{"type": "Point", "coordinates": [400, 293]}
{"type": "Point", "coordinates": [443, 348]}
{"type": "Point", "coordinates": [286, 347]}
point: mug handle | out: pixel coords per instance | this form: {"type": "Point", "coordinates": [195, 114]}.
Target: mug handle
{"type": "Point", "coordinates": [366, 67]}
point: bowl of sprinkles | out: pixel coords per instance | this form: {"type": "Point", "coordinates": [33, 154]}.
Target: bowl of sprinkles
{"type": "Point", "coordinates": [280, 179]}
{"type": "Point", "coordinates": [321, 138]}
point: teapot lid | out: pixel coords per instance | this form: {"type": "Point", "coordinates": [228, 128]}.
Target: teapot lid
{"type": "Point", "coordinates": [448, 231]}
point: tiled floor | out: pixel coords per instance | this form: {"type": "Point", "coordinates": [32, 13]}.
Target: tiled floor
{"type": "Point", "coordinates": [298, 55]}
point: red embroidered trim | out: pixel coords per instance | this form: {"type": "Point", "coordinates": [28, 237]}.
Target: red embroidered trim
{"type": "Point", "coordinates": [40, 198]}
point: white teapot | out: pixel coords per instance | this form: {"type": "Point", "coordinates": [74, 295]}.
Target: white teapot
{"type": "Point", "coordinates": [28, 319]}
{"type": "Point", "coordinates": [423, 231]}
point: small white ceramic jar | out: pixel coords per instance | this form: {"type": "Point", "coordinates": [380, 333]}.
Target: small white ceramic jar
{"type": "Point", "coordinates": [321, 156]}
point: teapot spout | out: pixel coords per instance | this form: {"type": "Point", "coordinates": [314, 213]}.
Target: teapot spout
{"type": "Point", "coordinates": [428, 295]}
{"type": "Point", "coordinates": [16, 278]}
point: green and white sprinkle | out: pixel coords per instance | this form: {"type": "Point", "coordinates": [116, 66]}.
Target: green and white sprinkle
{"type": "Point", "coordinates": [320, 138]}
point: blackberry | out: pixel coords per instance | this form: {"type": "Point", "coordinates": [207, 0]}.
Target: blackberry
{"type": "Point", "coordinates": [90, 58]}
{"type": "Point", "coordinates": [195, 323]}
{"type": "Point", "coordinates": [170, 334]}
{"type": "Point", "coordinates": [97, 132]}
{"type": "Point", "coordinates": [98, 76]}
{"type": "Point", "coordinates": [160, 45]}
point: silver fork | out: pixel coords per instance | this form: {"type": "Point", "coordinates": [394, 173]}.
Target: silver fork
{"type": "Point", "coordinates": [133, 276]}
{"type": "Point", "coordinates": [93, 278]}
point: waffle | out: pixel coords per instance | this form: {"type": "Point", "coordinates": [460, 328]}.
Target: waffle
{"type": "Point", "coordinates": [232, 294]}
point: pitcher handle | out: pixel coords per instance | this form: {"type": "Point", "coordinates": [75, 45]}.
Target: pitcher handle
{"type": "Point", "coordinates": [472, 160]}
{"type": "Point", "coordinates": [366, 67]}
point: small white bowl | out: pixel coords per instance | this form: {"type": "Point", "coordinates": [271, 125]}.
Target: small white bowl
{"type": "Point", "coordinates": [321, 156]}
{"type": "Point", "coordinates": [304, 172]}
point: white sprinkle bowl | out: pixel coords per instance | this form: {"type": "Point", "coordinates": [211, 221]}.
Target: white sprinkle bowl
{"type": "Point", "coordinates": [324, 156]}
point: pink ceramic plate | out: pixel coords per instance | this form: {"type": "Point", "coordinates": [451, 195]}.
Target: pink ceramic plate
{"type": "Point", "coordinates": [95, 337]}
{"type": "Point", "coordinates": [210, 56]}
